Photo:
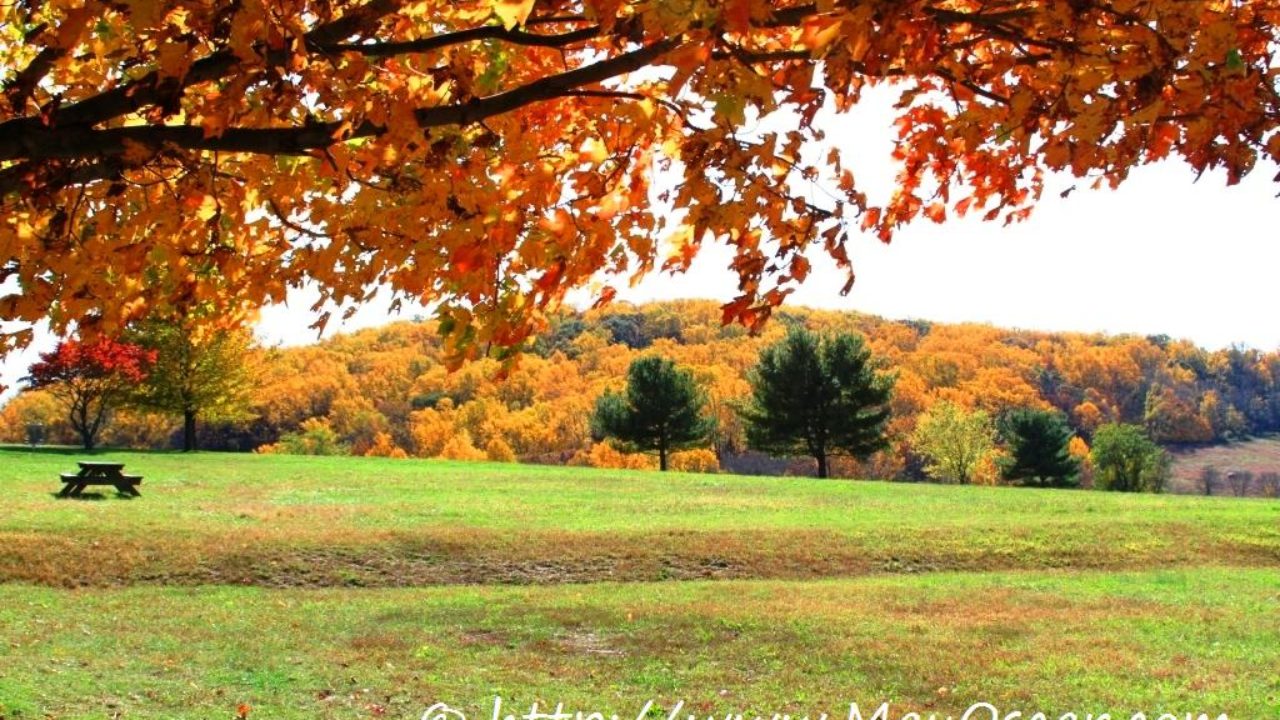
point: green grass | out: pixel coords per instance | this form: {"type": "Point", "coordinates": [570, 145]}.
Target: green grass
{"type": "Point", "coordinates": [363, 521]}
{"type": "Point", "coordinates": [358, 588]}
{"type": "Point", "coordinates": [1204, 640]}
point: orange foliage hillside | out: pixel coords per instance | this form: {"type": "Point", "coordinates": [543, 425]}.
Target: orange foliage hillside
{"type": "Point", "coordinates": [387, 391]}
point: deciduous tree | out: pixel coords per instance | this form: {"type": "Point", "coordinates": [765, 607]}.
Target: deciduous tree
{"type": "Point", "coordinates": [91, 378]}
{"type": "Point", "coordinates": [660, 411]}
{"type": "Point", "coordinates": [1126, 460]}
{"type": "Point", "coordinates": [955, 441]}
{"type": "Point", "coordinates": [492, 154]}
{"type": "Point", "coordinates": [818, 396]}
{"type": "Point", "coordinates": [198, 374]}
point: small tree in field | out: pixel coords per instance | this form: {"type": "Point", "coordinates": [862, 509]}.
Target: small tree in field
{"type": "Point", "coordinates": [1126, 460]}
{"type": "Point", "coordinates": [1269, 484]}
{"type": "Point", "coordinates": [91, 379]}
{"type": "Point", "coordinates": [1240, 481]}
{"type": "Point", "coordinates": [818, 396]}
{"type": "Point", "coordinates": [660, 411]}
{"type": "Point", "coordinates": [197, 375]}
{"type": "Point", "coordinates": [1039, 449]}
{"type": "Point", "coordinates": [954, 441]}
{"type": "Point", "coordinates": [1210, 478]}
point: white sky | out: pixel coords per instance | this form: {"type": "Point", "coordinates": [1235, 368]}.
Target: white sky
{"type": "Point", "coordinates": [1162, 254]}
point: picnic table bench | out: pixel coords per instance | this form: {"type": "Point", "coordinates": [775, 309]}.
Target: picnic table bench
{"type": "Point", "coordinates": [100, 473]}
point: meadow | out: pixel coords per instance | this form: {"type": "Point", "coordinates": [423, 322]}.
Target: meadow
{"type": "Point", "coordinates": [363, 587]}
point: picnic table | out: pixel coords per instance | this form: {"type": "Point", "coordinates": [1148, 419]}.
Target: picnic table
{"type": "Point", "coordinates": [100, 473]}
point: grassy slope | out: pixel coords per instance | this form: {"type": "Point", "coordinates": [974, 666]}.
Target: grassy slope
{"type": "Point", "coordinates": [1257, 455]}
{"type": "Point", "coordinates": [358, 521]}
{"type": "Point", "coordinates": [1203, 640]}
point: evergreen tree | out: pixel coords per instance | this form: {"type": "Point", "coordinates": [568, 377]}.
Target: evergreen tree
{"type": "Point", "coordinates": [818, 396]}
{"type": "Point", "coordinates": [660, 411]}
{"type": "Point", "coordinates": [1038, 442]}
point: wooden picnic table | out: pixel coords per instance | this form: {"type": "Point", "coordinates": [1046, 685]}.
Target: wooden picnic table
{"type": "Point", "coordinates": [100, 473]}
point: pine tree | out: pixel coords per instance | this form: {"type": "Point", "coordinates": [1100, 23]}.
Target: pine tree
{"type": "Point", "coordinates": [1038, 442]}
{"type": "Point", "coordinates": [818, 396]}
{"type": "Point", "coordinates": [660, 411]}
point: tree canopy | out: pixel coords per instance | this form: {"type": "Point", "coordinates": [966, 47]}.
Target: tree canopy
{"type": "Point", "coordinates": [490, 155]}
{"type": "Point", "coordinates": [955, 442]}
{"type": "Point", "coordinates": [1125, 459]}
{"type": "Point", "coordinates": [91, 379]}
{"type": "Point", "coordinates": [201, 376]}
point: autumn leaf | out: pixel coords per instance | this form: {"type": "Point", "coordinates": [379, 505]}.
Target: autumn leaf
{"type": "Point", "coordinates": [512, 13]}
{"type": "Point", "coordinates": [454, 152]}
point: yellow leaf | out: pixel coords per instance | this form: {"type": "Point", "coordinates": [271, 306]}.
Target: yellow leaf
{"type": "Point", "coordinates": [208, 207]}
{"type": "Point", "coordinates": [819, 32]}
{"type": "Point", "coordinates": [512, 12]}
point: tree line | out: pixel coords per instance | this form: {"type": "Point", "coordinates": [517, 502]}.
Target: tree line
{"type": "Point", "coordinates": [387, 391]}
{"type": "Point", "coordinates": [823, 397]}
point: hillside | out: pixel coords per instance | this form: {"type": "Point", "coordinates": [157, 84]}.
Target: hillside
{"type": "Point", "coordinates": [1254, 466]}
{"type": "Point", "coordinates": [386, 391]}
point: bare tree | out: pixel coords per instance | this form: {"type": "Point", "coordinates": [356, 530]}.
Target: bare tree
{"type": "Point", "coordinates": [1269, 484]}
{"type": "Point", "coordinates": [1240, 480]}
{"type": "Point", "coordinates": [1210, 478]}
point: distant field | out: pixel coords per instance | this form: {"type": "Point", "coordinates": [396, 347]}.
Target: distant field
{"type": "Point", "coordinates": [289, 521]}
{"type": "Point", "coordinates": [1204, 640]}
{"type": "Point", "coordinates": [1258, 455]}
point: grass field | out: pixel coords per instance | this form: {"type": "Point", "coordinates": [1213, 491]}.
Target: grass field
{"type": "Point", "coordinates": [352, 587]}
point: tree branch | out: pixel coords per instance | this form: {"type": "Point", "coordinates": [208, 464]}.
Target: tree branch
{"type": "Point", "coordinates": [149, 90]}
{"type": "Point", "coordinates": [486, 32]}
{"type": "Point", "coordinates": [77, 142]}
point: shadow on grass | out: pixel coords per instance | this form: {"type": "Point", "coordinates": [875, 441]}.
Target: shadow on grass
{"type": "Point", "coordinates": [88, 497]}
{"type": "Point", "coordinates": [76, 450]}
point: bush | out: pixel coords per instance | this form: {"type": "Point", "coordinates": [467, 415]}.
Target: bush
{"type": "Point", "coordinates": [460, 447]}
{"type": "Point", "coordinates": [605, 455]}
{"type": "Point", "coordinates": [315, 437]}
{"type": "Point", "coordinates": [700, 460]}
{"type": "Point", "coordinates": [498, 450]}
{"type": "Point", "coordinates": [384, 446]}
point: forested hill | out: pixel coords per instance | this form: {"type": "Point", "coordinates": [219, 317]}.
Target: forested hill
{"type": "Point", "coordinates": [385, 391]}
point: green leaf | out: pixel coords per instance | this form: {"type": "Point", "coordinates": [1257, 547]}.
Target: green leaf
{"type": "Point", "coordinates": [1235, 61]}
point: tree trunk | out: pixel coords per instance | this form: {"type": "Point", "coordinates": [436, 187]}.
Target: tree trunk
{"type": "Point", "coordinates": [80, 423]}
{"type": "Point", "coordinates": [822, 464]}
{"type": "Point", "coordinates": [188, 430]}
{"type": "Point", "coordinates": [662, 459]}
